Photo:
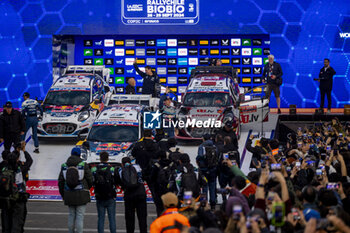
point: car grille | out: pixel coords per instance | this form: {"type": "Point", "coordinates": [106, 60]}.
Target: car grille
{"type": "Point", "coordinates": [60, 128]}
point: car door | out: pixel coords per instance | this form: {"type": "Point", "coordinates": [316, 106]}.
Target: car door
{"type": "Point", "coordinates": [254, 105]}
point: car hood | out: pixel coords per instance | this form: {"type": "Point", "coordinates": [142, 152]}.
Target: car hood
{"type": "Point", "coordinates": [113, 148]}
{"type": "Point", "coordinates": [62, 111]}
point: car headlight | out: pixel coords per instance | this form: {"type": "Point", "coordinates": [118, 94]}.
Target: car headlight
{"type": "Point", "coordinates": [83, 154]}
{"type": "Point", "coordinates": [83, 116]}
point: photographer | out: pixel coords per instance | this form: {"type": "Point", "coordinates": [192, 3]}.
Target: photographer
{"type": "Point", "coordinates": [14, 203]}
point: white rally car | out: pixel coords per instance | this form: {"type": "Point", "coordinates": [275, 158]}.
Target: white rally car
{"type": "Point", "coordinates": [116, 129]}
{"type": "Point", "coordinates": [213, 95]}
{"type": "Point", "coordinates": [74, 101]}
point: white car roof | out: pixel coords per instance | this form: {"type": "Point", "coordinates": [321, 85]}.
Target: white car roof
{"type": "Point", "coordinates": [73, 81]}
{"type": "Point", "coordinates": [210, 83]}
{"type": "Point", "coordinates": [121, 114]}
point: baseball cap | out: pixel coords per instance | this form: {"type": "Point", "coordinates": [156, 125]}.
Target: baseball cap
{"type": "Point", "coordinates": [169, 199]}
{"type": "Point", "coordinates": [8, 105]}
{"type": "Point", "coordinates": [76, 151]}
{"type": "Point", "coordinates": [26, 94]}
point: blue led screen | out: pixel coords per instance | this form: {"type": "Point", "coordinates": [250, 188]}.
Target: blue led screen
{"type": "Point", "coordinates": [302, 34]}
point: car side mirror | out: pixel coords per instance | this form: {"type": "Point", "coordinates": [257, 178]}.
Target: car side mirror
{"type": "Point", "coordinates": [86, 145]}
{"type": "Point", "coordinates": [82, 136]}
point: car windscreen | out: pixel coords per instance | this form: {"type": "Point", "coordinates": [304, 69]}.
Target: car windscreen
{"type": "Point", "coordinates": [113, 133]}
{"type": "Point", "coordinates": [204, 99]}
{"type": "Point", "coordinates": [67, 98]}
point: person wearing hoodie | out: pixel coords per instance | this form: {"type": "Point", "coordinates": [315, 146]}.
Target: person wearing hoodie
{"type": "Point", "coordinates": [76, 197]}
{"type": "Point", "coordinates": [207, 160]}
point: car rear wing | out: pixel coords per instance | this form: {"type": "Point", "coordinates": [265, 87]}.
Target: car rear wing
{"type": "Point", "coordinates": [228, 70]}
{"type": "Point", "coordinates": [94, 70]}
{"type": "Point", "coordinates": [130, 99]}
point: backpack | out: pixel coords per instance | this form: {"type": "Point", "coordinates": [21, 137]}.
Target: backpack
{"type": "Point", "coordinates": [163, 177]}
{"type": "Point", "coordinates": [104, 183]}
{"type": "Point", "coordinates": [211, 157]}
{"type": "Point", "coordinates": [8, 188]}
{"type": "Point", "coordinates": [189, 182]}
{"type": "Point", "coordinates": [73, 176]}
{"type": "Point", "coordinates": [174, 156]}
{"type": "Point", "coordinates": [129, 177]}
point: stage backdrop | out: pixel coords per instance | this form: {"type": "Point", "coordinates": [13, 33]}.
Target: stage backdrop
{"type": "Point", "coordinates": [302, 33]}
{"type": "Point", "coordinates": [173, 56]}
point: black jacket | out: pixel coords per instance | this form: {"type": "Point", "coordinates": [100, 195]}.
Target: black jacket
{"type": "Point", "coordinates": [150, 83]}
{"type": "Point", "coordinates": [257, 151]}
{"type": "Point", "coordinates": [144, 152]}
{"type": "Point", "coordinates": [79, 197]}
{"type": "Point", "coordinates": [326, 78]}
{"type": "Point", "coordinates": [11, 123]}
{"type": "Point", "coordinates": [276, 70]}
{"type": "Point", "coordinates": [129, 89]}
{"type": "Point", "coordinates": [231, 134]}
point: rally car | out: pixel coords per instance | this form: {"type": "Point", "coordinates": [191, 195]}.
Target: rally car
{"type": "Point", "coordinates": [74, 101]}
{"type": "Point", "coordinates": [213, 95]}
{"type": "Point", "coordinates": [116, 129]}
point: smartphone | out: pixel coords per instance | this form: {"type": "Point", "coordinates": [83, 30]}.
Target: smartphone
{"type": "Point", "coordinates": [270, 196]}
{"type": "Point", "coordinates": [275, 167]}
{"type": "Point", "coordinates": [288, 169]}
{"type": "Point", "coordinates": [332, 186]}
{"type": "Point", "coordinates": [295, 213]}
{"type": "Point", "coordinates": [225, 156]}
{"type": "Point", "coordinates": [188, 197]}
{"type": "Point", "coordinates": [300, 145]}
{"type": "Point", "coordinates": [278, 213]}
{"type": "Point", "coordinates": [319, 172]}
{"type": "Point", "coordinates": [340, 135]}
{"type": "Point", "coordinates": [297, 164]}
{"type": "Point", "coordinates": [310, 162]}
{"type": "Point", "coordinates": [299, 128]}
{"type": "Point", "coordinates": [329, 148]}
{"type": "Point", "coordinates": [237, 210]}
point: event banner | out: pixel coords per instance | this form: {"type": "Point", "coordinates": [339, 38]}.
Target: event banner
{"type": "Point", "coordinates": [48, 190]}
{"type": "Point", "coordinates": [160, 12]}
{"type": "Point", "coordinates": [173, 56]}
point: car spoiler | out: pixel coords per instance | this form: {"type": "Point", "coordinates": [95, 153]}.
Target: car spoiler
{"type": "Point", "coordinates": [94, 70]}
{"type": "Point", "coordinates": [131, 99]}
{"type": "Point", "coordinates": [228, 70]}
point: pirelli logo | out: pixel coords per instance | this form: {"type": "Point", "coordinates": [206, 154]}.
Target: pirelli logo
{"type": "Point", "coordinates": [162, 80]}
{"type": "Point", "coordinates": [214, 52]}
{"type": "Point", "coordinates": [246, 80]}
{"type": "Point", "coordinates": [129, 52]}
{"type": "Point", "coordinates": [140, 61]}
{"type": "Point", "coordinates": [225, 61]}
{"type": "Point", "coordinates": [119, 42]}
{"type": "Point", "coordinates": [203, 42]}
